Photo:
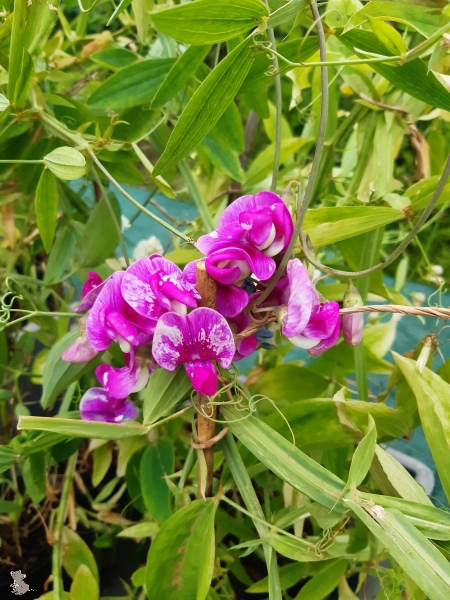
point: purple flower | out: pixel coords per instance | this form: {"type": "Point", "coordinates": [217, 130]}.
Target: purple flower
{"type": "Point", "coordinates": [81, 350]}
{"type": "Point", "coordinates": [90, 291]}
{"type": "Point", "coordinates": [249, 344]}
{"type": "Point", "coordinates": [229, 268]}
{"type": "Point", "coordinates": [112, 319]}
{"type": "Point", "coordinates": [261, 225]}
{"type": "Point", "coordinates": [93, 281]}
{"type": "Point", "coordinates": [97, 405]}
{"type": "Point", "coordinates": [131, 378]}
{"type": "Point", "coordinates": [194, 340]}
{"type": "Point", "coordinates": [154, 285]}
{"type": "Point", "coordinates": [305, 322]}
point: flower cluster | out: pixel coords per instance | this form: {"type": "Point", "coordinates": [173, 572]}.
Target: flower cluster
{"type": "Point", "coordinates": [151, 309]}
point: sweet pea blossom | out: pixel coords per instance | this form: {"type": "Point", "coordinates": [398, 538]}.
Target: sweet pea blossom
{"type": "Point", "coordinates": [133, 377]}
{"type": "Point", "coordinates": [155, 285]}
{"type": "Point", "coordinates": [194, 340]}
{"type": "Point", "coordinates": [305, 322]}
{"type": "Point", "coordinates": [90, 291]}
{"type": "Point", "coordinates": [112, 319]}
{"type": "Point", "coordinates": [249, 344]}
{"type": "Point", "coordinates": [81, 350]}
{"type": "Point", "coordinates": [97, 405]}
{"type": "Point", "coordinates": [261, 225]}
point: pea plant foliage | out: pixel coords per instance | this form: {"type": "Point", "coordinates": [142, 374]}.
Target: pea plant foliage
{"type": "Point", "coordinates": [221, 393]}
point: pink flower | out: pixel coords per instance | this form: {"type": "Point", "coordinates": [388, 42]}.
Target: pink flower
{"type": "Point", "coordinates": [194, 340]}
{"type": "Point", "coordinates": [260, 225]}
{"type": "Point", "coordinates": [90, 290]}
{"type": "Point", "coordinates": [97, 405]}
{"type": "Point", "coordinates": [249, 344]}
{"type": "Point", "coordinates": [131, 378]}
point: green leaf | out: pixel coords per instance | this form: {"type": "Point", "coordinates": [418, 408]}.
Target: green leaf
{"type": "Point", "coordinates": [222, 156]}
{"type": "Point", "coordinates": [410, 549]}
{"type": "Point", "coordinates": [46, 207]}
{"type": "Point", "coordinates": [133, 480]}
{"type": "Point", "coordinates": [58, 374]}
{"type": "Point", "coordinates": [332, 224]}
{"type": "Point", "coordinates": [66, 163]}
{"type": "Point", "coordinates": [88, 429]}
{"type": "Point", "coordinates": [100, 237]}
{"type": "Point", "coordinates": [102, 457]}
{"type": "Point", "coordinates": [33, 471]}
{"type": "Point", "coordinates": [7, 458]}
{"type": "Point", "coordinates": [262, 166]}
{"type": "Point", "coordinates": [300, 549]}
{"type": "Point", "coordinates": [388, 36]}
{"type": "Point", "coordinates": [138, 577]}
{"type": "Point", "coordinates": [84, 585]}
{"type": "Point", "coordinates": [25, 81]}
{"type": "Point", "coordinates": [424, 19]}
{"type": "Point", "coordinates": [76, 553]}
{"type": "Point", "coordinates": [433, 400]}
{"type": "Point", "coordinates": [180, 74]}
{"type": "Point", "coordinates": [363, 456]}
{"type": "Point", "coordinates": [203, 22]}
{"type": "Point", "coordinates": [7, 507]}
{"type": "Point", "coordinates": [60, 256]}
{"type": "Point", "coordinates": [290, 574]}
{"type": "Point", "coordinates": [289, 383]}
{"type": "Point", "coordinates": [123, 4]}
{"type": "Point", "coordinates": [405, 485]}
{"type": "Point", "coordinates": [181, 557]}
{"type": "Point", "coordinates": [157, 461]}
{"type": "Point", "coordinates": [207, 105]}
{"type": "Point", "coordinates": [411, 77]}
{"type": "Point", "coordinates": [161, 183]}
{"type": "Point", "coordinates": [132, 85]}
{"type": "Point", "coordinates": [290, 464]}
{"type": "Point", "coordinates": [286, 13]}
{"type": "Point", "coordinates": [114, 58]}
{"type": "Point", "coordinates": [163, 392]}
{"type": "Point", "coordinates": [140, 530]}
{"type": "Point", "coordinates": [324, 582]}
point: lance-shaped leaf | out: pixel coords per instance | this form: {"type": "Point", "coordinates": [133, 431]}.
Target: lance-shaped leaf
{"type": "Point", "coordinates": [157, 462]}
{"type": "Point", "coordinates": [46, 207]}
{"type": "Point", "coordinates": [181, 557]}
{"type": "Point", "coordinates": [132, 85]}
{"type": "Point", "coordinates": [25, 81]}
{"type": "Point", "coordinates": [207, 105]}
{"type": "Point", "coordinates": [205, 22]}
{"type": "Point", "coordinates": [180, 74]}
{"type": "Point", "coordinates": [410, 549]}
{"type": "Point", "coordinates": [433, 401]}
{"type": "Point", "coordinates": [84, 585]}
{"type": "Point", "coordinates": [412, 77]}
{"type": "Point", "coordinates": [422, 18]}
{"type": "Point", "coordinates": [332, 224]}
{"type": "Point", "coordinates": [323, 582]}
{"type": "Point", "coordinates": [87, 429]}
{"type": "Point", "coordinates": [163, 392]}
{"type": "Point", "coordinates": [363, 456]}
{"type": "Point", "coordinates": [286, 13]}
{"type": "Point", "coordinates": [66, 163]}
{"type": "Point", "coordinates": [123, 4]}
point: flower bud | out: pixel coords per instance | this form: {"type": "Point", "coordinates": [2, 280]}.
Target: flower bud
{"type": "Point", "coordinates": [352, 324]}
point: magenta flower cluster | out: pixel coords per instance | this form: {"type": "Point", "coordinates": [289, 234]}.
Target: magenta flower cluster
{"type": "Point", "coordinates": [145, 309]}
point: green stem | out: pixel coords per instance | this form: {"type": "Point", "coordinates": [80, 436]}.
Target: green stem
{"type": "Point", "coordinates": [147, 212]}
{"type": "Point", "coordinates": [316, 159]}
{"type": "Point", "coordinates": [278, 107]}
{"type": "Point", "coordinates": [20, 15]}
{"type": "Point", "coordinates": [400, 248]}
{"type": "Point", "coordinates": [112, 214]}
{"type": "Point", "coordinates": [38, 314]}
{"type": "Point", "coordinates": [23, 162]}
{"type": "Point", "coordinates": [60, 520]}
{"type": "Point", "coordinates": [198, 199]}
{"type": "Point", "coordinates": [244, 484]}
{"type": "Point", "coordinates": [186, 467]}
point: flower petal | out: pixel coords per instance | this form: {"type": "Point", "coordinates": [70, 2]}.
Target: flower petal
{"type": "Point", "coordinates": [211, 336]}
{"type": "Point", "coordinates": [203, 377]}
{"type": "Point", "coordinates": [229, 265]}
{"type": "Point", "coordinates": [93, 281]}
{"type": "Point", "coordinates": [97, 405]}
{"type": "Point", "coordinates": [322, 324]}
{"type": "Point", "coordinates": [231, 300]}
{"type": "Point", "coordinates": [80, 351]}
{"type": "Point", "coordinates": [300, 300]}
{"type": "Point", "coordinates": [120, 383]}
{"type": "Point", "coordinates": [172, 341]}
{"type": "Point", "coordinates": [109, 299]}
{"type": "Point", "coordinates": [326, 343]}
{"type": "Point", "coordinates": [352, 328]}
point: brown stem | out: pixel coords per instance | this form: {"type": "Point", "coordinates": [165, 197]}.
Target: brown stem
{"type": "Point", "coordinates": [206, 427]}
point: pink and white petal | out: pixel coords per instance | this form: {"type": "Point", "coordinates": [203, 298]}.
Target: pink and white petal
{"type": "Point", "coordinates": [120, 326]}
{"type": "Point", "coordinates": [231, 300]}
{"type": "Point", "coordinates": [323, 324]}
{"type": "Point", "coordinates": [136, 288]}
{"type": "Point", "coordinates": [93, 281]}
{"type": "Point", "coordinates": [300, 300]}
{"type": "Point", "coordinates": [97, 405]}
{"type": "Point", "coordinates": [263, 266]}
{"type": "Point", "coordinates": [247, 346]}
{"type": "Point", "coordinates": [303, 342]}
{"type": "Point", "coordinates": [178, 288]}
{"type": "Point", "coordinates": [109, 299]}
{"type": "Point", "coordinates": [257, 222]}
{"type": "Point", "coordinates": [118, 382]}
{"type": "Point", "coordinates": [79, 352]}
{"type": "Point", "coordinates": [190, 271]}
{"type": "Point", "coordinates": [172, 343]}
{"type": "Point", "coordinates": [284, 224]}
{"type": "Point", "coordinates": [327, 343]}
{"type": "Point", "coordinates": [211, 336]}
{"type": "Point", "coordinates": [203, 377]}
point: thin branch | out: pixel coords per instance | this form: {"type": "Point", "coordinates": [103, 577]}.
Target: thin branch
{"type": "Point", "coordinates": [117, 185]}
{"type": "Point", "coordinates": [420, 311]}
{"type": "Point", "coordinates": [316, 159]}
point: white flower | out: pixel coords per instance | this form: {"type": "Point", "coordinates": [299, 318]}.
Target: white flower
{"type": "Point", "coordinates": [125, 222]}
{"type": "Point", "coordinates": [147, 247]}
